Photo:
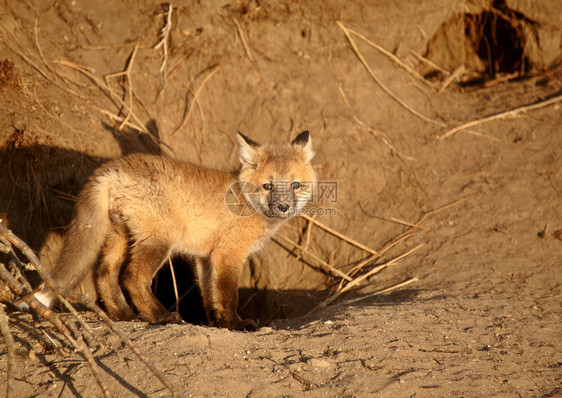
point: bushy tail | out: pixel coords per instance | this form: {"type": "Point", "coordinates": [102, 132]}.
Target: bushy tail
{"type": "Point", "coordinates": [83, 241]}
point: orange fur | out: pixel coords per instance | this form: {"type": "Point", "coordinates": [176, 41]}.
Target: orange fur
{"type": "Point", "coordinates": [145, 208]}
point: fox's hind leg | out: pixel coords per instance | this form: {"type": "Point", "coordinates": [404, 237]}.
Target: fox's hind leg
{"type": "Point", "coordinates": [107, 276]}
{"type": "Point", "coordinates": [147, 257]}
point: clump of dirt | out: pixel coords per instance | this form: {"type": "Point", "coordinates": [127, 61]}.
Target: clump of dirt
{"type": "Point", "coordinates": [8, 76]}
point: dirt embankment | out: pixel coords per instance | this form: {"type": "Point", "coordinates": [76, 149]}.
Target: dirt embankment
{"type": "Point", "coordinates": [474, 215]}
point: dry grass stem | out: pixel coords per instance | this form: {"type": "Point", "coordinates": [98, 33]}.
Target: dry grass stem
{"type": "Point", "coordinates": [164, 39]}
{"type": "Point", "coordinates": [377, 134]}
{"type": "Point", "coordinates": [380, 83]}
{"type": "Point", "coordinates": [324, 266]}
{"type": "Point", "coordinates": [243, 39]}
{"type": "Point", "coordinates": [339, 235]}
{"type": "Point", "coordinates": [377, 269]}
{"type": "Point", "coordinates": [117, 100]}
{"type": "Point", "coordinates": [357, 281]}
{"type": "Point", "coordinates": [127, 75]}
{"type": "Point", "coordinates": [65, 195]}
{"type": "Point", "coordinates": [40, 51]}
{"type": "Point", "coordinates": [382, 291]}
{"type": "Point", "coordinates": [429, 63]}
{"type": "Point", "coordinates": [414, 229]}
{"type": "Point", "coordinates": [175, 284]}
{"type": "Point", "coordinates": [88, 72]}
{"type": "Point", "coordinates": [502, 79]}
{"type": "Point", "coordinates": [108, 46]}
{"type": "Point", "coordinates": [457, 73]}
{"type": "Point", "coordinates": [307, 234]}
{"type": "Point", "coordinates": [502, 115]}
{"type": "Point", "coordinates": [392, 57]}
{"type": "Point", "coordinates": [488, 137]}
{"type": "Point", "coordinates": [396, 241]}
{"type": "Point", "coordinates": [398, 221]}
{"type": "Point", "coordinates": [189, 108]}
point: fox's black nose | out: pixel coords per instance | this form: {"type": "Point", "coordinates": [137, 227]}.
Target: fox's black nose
{"type": "Point", "coordinates": [283, 208]}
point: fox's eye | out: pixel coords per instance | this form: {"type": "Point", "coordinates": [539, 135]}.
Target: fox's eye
{"type": "Point", "coordinates": [268, 186]}
{"type": "Point", "coordinates": [296, 185]}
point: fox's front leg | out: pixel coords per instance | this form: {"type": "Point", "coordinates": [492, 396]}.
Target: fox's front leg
{"type": "Point", "coordinates": [223, 295]}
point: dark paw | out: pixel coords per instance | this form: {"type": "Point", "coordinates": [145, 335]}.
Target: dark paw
{"type": "Point", "coordinates": [244, 324]}
{"type": "Point", "coordinates": [122, 315]}
{"type": "Point", "coordinates": [169, 317]}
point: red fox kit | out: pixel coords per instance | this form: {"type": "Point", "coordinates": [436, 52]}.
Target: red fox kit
{"type": "Point", "coordinates": [139, 210]}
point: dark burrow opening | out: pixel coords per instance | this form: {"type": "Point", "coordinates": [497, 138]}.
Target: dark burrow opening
{"type": "Point", "coordinates": [489, 43]}
{"type": "Point", "coordinates": [190, 305]}
{"type": "Point", "coordinates": [499, 38]}
{"type": "Point", "coordinates": [263, 305]}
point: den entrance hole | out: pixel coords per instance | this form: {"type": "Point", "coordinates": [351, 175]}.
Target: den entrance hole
{"type": "Point", "coordinates": [262, 304]}
{"type": "Point", "coordinates": [492, 42]}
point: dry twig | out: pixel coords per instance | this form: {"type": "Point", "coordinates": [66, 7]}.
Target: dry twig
{"type": "Point", "coordinates": [164, 38]}
{"type": "Point", "coordinates": [127, 75]}
{"type": "Point", "coordinates": [502, 115]}
{"type": "Point", "coordinates": [324, 266]}
{"type": "Point", "coordinates": [457, 73]}
{"type": "Point", "coordinates": [339, 235]}
{"type": "Point", "coordinates": [189, 108]}
{"type": "Point", "coordinates": [414, 228]}
{"type": "Point", "coordinates": [49, 315]}
{"type": "Point", "coordinates": [243, 39]}
{"type": "Point", "coordinates": [9, 341]}
{"type": "Point", "coordinates": [431, 64]}
{"type": "Point", "coordinates": [381, 136]}
{"type": "Point", "coordinates": [59, 325]}
{"type": "Point", "coordinates": [378, 292]}
{"type": "Point", "coordinates": [381, 84]}
{"type": "Point", "coordinates": [392, 57]}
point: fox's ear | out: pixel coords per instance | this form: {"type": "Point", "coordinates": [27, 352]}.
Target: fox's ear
{"type": "Point", "coordinates": [303, 139]}
{"type": "Point", "coordinates": [246, 152]}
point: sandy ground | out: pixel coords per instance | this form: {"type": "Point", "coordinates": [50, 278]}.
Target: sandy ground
{"type": "Point", "coordinates": [483, 317]}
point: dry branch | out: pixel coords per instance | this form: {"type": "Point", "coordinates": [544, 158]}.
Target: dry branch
{"type": "Point", "coordinates": [9, 341]}
{"type": "Point", "coordinates": [324, 266]}
{"type": "Point", "coordinates": [339, 235]}
{"type": "Point", "coordinates": [414, 229]}
{"type": "Point", "coordinates": [431, 64]}
{"type": "Point", "coordinates": [374, 271]}
{"type": "Point", "coordinates": [381, 136]}
{"type": "Point", "coordinates": [49, 315]}
{"type": "Point", "coordinates": [55, 320]}
{"type": "Point", "coordinates": [357, 281]}
{"type": "Point", "coordinates": [189, 108]}
{"type": "Point", "coordinates": [457, 73]}
{"type": "Point", "coordinates": [102, 85]}
{"type": "Point", "coordinates": [392, 57]}
{"type": "Point", "coordinates": [127, 74]}
{"type": "Point", "coordinates": [502, 115]}
{"type": "Point", "coordinates": [381, 84]}
{"type": "Point", "coordinates": [164, 38]}
{"type": "Point", "coordinates": [243, 39]}
{"type": "Point", "coordinates": [379, 292]}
